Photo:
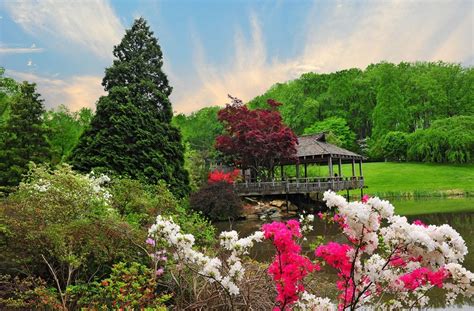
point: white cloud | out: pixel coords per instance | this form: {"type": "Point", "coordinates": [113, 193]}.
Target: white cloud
{"type": "Point", "coordinates": [75, 92]}
{"type": "Point", "coordinates": [91, 24]}
{"type": "Point", "coordinates": [20, 50]}
{"type": "Point", "coordinates": [339, 37]}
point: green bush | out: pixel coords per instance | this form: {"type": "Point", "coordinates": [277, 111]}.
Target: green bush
{"type": "Point", "coordinates": [394, 146]}
{"type": "Point", "coordinates": [217, 201]}
{"type": "Point", "coordinates": [129, 287]}
{"type": "Point", "coordinates": [448, 140]}
{"type": "Point", "coordinates": [59, 225]}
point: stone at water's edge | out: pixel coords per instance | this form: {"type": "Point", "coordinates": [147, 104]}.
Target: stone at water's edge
{"type": "Point", "coordinates": [257, 209]}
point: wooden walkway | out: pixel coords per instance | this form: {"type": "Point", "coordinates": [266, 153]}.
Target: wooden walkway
{"type": "Point", "coordinates": [298, 186]}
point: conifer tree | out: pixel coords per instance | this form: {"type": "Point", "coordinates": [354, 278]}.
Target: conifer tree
{"type": "Point", "coordinates": [131, 134]}
{"type": "Point", "coordinates": [23, 136]}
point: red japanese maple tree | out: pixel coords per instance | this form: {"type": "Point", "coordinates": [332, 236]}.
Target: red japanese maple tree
{"type": "Point", "coordinates": [255, 139]}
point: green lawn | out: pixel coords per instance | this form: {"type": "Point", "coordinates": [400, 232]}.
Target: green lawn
{"type": "Point", "coordinates": [408, 179]}
{"type": "Point", "coordinates": [433, 206]}
{"type": "Point", "coordinates": [389, 177]}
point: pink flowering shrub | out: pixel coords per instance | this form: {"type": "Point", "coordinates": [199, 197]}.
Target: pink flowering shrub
{"type": "Point", "coordinates": [218, 176]}
{"type": "Point", "coordinates": [385, 254]}
{"type": "Point", "coordinates": [289, 267]}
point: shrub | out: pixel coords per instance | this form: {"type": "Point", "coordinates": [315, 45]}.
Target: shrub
{"type": "Point", "coordinates": [217, 201]}
{"type": "Point", "coordinates": [130, 286]}
{"type": "Point", "coordinates": [59, 226]}
{"type": "Point", "coordinates": [394, 146]}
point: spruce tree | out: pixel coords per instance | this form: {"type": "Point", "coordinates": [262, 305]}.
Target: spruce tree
{"type": "Point", "coordinates": [23, 137]}
{"type": "Point", "coordinates": [131, 134]}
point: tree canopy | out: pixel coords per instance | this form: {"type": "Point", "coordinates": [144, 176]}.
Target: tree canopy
{"type": "Point", "coordinates": [255, 139]}
{"type": "Point", "coordinates": [131, 134]}
{"type": "Point", "coordinates": [23, 136]}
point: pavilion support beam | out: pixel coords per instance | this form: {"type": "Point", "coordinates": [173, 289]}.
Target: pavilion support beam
{"type": "Point", "coordinates": [281, 171]}
{"type": "Point", "coordinates": [353, 167]}
{"type": "Point", "coordinates": [305, 170]}
{"type": "Point", "coordinates": [297, 171]}
{"type": "Point", "coordinates": [340, 167]}
{"type": "Point", "coordinates": [360, 167]}
{"type": "Point", "coordinates": [331, 174]}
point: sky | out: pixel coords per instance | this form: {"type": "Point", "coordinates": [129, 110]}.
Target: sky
{"type": "Point", "coordinates": [217, 47]}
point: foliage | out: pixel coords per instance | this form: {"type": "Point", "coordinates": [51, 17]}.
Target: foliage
{"type": "Point", "coordinates": [23, 138]}
{"type": "Point", "coordinates": [64, 129]}
{"type": "Point", "coordinates": [27, 293]}
{"type": "Point", "coordinates": [139, 204]}
{"type": "Point", "coordinates": [130, 286]}
{"type": "Point", "coordinates": [448, 140]}
{"type": "Point", "coordinates": [59, 226]}
{"type": "Point", "coordinates": [217, 201]}
{"type": "Point", "coordinates": [195, 162]}
{"type": "Point", "coordinates": [9, 89]}
{"type": "Point", "coordinates": [255, 139]}
{"type": "Point", "coordinates": [217, 176]}
{"type": "Point", "coordinates": [382, 98]}
{"type": "Point", "coordinates": [131, 134]}
{"type": "Point", "coordinates": [200, 128]}
{"type": "Point", "coordinates": [394, 146]}
{"type": "Point", "coordinates": [337, 129]}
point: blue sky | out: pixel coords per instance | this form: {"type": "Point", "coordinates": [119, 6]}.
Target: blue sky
{"type": "Point", "coordinates": [213, 48]}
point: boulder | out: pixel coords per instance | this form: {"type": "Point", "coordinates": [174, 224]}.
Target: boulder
{"type": "Point", "coordinates": [278, 203]}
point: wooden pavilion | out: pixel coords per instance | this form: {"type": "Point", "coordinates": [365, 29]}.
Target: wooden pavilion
{"type": "Point", "coordinates": [311, 150]}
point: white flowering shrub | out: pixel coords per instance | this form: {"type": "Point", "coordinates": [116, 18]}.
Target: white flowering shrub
{"type": "Point", "coordinates": [387, 264]}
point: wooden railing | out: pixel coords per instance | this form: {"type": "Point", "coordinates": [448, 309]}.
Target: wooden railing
{"type": "Point", "coordinates": [301, 185]}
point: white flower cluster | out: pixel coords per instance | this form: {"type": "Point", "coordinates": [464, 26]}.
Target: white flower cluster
{"type": "Point", "coordinates": [42, 185]}
{"type": "Point", "coordinates": [212, 268]}
{"type": "Point", "coordinates": [437, 245]}
{"type": "Point", "coordinates": [306, 222]}
{"type": "Point", "coordinates": [97, 183]}
{"type": "Point", "coordinates": [460, 282]}
{"type": "Point", "coordinates": [434, 247]}
{"type": "Point", "coordinates": [309, 302]}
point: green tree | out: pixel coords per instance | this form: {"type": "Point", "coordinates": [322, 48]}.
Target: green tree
{"type": "Point", "coordinates": [64, 129]}
{"type": "Point", "coordinates": [394, 146]}
{"type": "Point", "coordinates": [23, 138]}
{"type": "Point", "coordinates": [131, 133]}
{"type": "Point", "coordinates": [337, 129]}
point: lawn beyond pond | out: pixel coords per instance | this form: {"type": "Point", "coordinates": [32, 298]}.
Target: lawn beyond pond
{"type": "Point", "coordinates": [416, 178]}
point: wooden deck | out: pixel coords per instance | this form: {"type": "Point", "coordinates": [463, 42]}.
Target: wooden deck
{"type": "Point", "coordinates": [297, 186]}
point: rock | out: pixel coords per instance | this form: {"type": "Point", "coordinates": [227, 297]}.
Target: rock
{"type": "Point", "coordinates": [275, 215]}
{"type": "Point", "coordinates": [292, 207]}
{"type": "Point", "coordinates": [278, 203]}
{"type": "Point", "coordinates": [252, 217]}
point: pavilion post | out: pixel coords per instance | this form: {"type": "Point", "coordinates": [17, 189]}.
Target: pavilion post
{"type": "Point", "coordinates": [330, 167]}
{"type": "Point", "coordinates": [281, 171]}
{"type": "Point", "coordinates": [360, 167]}
{"type": "Point", "coordinates": [297, 171]}
{"type": "Point", "coordinates": [339, 167]}
{"type": "Point", "coordinates": [353, 168]}
{"type": "Point", "coordinates": [305, 170]}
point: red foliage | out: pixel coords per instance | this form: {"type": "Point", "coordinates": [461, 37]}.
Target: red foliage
{"type": "Point", "coordinates": [217, 176]}
{"type": "Point", "coordinates": [255, 139]}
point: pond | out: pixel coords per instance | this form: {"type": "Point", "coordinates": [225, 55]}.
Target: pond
{"type": "Point", "coordinates": [462, 222]}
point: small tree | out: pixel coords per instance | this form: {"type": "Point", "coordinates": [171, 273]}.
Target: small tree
{"type": "Point", "coordinates": [255, 139]}
{"type": "Point", "coordinates": [394, 146]}
{"type": "Point", "coordinates": [23, 138]}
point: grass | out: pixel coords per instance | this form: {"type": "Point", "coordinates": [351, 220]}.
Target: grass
{"type": "Point", "coordinates": [433, 206]}
{"type": "Point", "coordinates": [393, 179]}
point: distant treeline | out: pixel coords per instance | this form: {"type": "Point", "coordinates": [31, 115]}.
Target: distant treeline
{"type": "Point", "coordinates": [409, 111]}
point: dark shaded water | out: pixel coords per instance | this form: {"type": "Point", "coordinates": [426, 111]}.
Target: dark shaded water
{"type": "Point", "coordinates": [461, 222]}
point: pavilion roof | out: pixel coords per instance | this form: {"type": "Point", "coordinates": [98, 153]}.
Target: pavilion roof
{"type": "Point", "coordinates": [316, 145]}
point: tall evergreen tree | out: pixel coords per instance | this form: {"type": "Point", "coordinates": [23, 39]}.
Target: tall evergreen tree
{"type": "Point", "coordinates": [131, 133]}
{"type": "Point", "coordinates": [23, 136]}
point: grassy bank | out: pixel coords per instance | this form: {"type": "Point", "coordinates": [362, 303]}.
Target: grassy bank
{"type": "Point", "coordinates": [392, 179]}
{"type": "Point", "coordinates": [388, 179]}
{"type": "Point", "coordinates": [433, 206]}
